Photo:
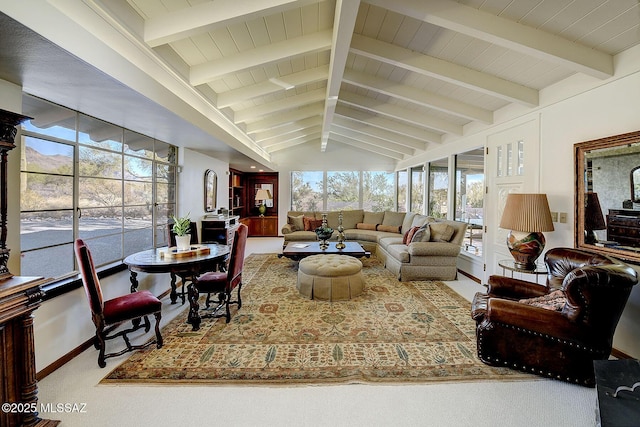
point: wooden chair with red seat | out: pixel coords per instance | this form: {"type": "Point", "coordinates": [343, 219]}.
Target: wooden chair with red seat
{"type": "Point", "coordinates": [223, 283]}
{"type": "Point", "coordinates": [130, 307]}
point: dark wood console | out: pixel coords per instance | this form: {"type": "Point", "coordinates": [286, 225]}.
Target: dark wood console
{"type": "Point", "coordinates": [219, 230]}
{"type": "Point", "coordinates": [262, 225]}
{"type": "Point", "coordinates": [623, 227]}
{"type": "Point", "coordinates": [19, 298]}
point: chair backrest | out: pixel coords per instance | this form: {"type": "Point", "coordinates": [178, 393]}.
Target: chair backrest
{"type": "Point", "coordinates": [236, 260]}
{"type": "Point", "coordinates": [89, 277]}
{"type": "Point", "coordinates": [193, 231]}
{"type": "Point", "coordinates": [596, 286]}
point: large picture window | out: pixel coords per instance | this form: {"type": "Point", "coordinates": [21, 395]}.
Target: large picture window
{"type": "Point", "coordinates": [82, 177]}
{"type": "Point", "coordinates": [368, 190]}
{"type": "Point", "coordinates": [438, 188]}
{"type": "Point", "coordinates": [417, 189]}
{"type": "Point", "coordinates": [470, 197]}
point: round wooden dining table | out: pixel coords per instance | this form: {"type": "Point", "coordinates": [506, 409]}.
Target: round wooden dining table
{"type": "Point", "coordinates": [188, 268]}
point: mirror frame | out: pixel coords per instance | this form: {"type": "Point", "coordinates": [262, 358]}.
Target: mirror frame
{"type": "Point", "coordinates": [210, 190]}
{"type": "Point", "coordinates": [580, 150]}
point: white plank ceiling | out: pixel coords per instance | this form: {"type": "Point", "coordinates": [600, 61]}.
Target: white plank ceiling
{"type": "Point", "coordinates": [393, 77]}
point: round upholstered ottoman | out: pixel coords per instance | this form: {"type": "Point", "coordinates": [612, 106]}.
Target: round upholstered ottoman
{"type": "Point", "coordinates": [330, 277]}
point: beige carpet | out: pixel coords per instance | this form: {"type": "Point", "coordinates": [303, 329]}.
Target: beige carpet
{"type": "Point", "coordinates": [395, 332]}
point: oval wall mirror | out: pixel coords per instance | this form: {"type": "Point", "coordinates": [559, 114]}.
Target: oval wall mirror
{"type": "Point", "coordinates": [210, 190]}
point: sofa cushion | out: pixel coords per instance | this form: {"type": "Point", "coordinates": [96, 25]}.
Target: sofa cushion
{"type": "Point", "coordinates": [440, 232]}
{"type": "Point", "coordinates": [362, 235]}
{"type": "Point", "coordinates": [352, 217]}
{"type": "Point", "coordinates": [423, 234]}
{"type": "Point", "coordinates": [310, 223]}
{"type": "Point", "coordinates": [385, 240]}
{"type": "Point", "coordinates": [365, 226]}
{"type": "Point", "coordinates": [332, 219]}
{"type": "Point", "coordinates": [399, 252]}
{"type": "Point", "coordinates": [408, 235]}
{"type": "Point", "coordinates": [393, 219]}
{"type": "Point", "coordinates": [420, 220]}
{"type": "Point", "coordinates": [296, 222]}
{"type": "Point", "coordinates": [406, 222]}
{"type": "Point", "coordinates": [301, 236]}
{"type": "Point", "coordinates": [373, 217]}
{"type": "Point", "coordinates": [389, 228]}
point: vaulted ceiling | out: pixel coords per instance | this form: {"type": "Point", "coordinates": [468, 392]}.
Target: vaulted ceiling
{"type": "Point", "coordinates": [391, 77]}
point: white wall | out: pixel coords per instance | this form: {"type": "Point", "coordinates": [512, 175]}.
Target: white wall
{"type": "Point", "coordinates": [191, 183]}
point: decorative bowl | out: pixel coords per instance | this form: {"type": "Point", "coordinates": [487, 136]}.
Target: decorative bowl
{"type": "Point", "coordinates": [323, 233]}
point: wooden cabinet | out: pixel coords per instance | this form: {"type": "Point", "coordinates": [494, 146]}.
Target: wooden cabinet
{"type": "Point", "coordinates": [19, 298]}
{"type": "Point", "coordinates": [219, 230]}
{"type": "Point", "coordinates": [262, 225]}
{"type": "Point", "coordinates": [623, 227]}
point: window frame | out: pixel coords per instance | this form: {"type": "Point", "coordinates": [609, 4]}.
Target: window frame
{"type": "Point", "coordinates": [156, 226]}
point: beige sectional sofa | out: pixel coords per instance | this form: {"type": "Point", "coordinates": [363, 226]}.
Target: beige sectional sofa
{"type": "Point", "coordinates": [411, 246]}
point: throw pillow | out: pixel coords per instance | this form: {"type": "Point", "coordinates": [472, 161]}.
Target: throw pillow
{"type": "Point", "coordinates": [422, 235]}
{"type": "Point", "coordinates": [297, 222]}
{"type": "Point", "coordinates": [365, 226]}
{"type": "Point", "coordinates": [310, 223]}
{"type": "Point", "coordinates": [440, 232]}
{"type": "Point", "coordinates": [389, 228]}
{"type": "Point", "coordinates": [552, 301]}
{"type": "Point", "coordinates": [408, 236]}
{"type": "Point", "coordinates": [373, 217]}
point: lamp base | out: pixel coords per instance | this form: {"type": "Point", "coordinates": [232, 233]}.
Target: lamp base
{"type": "Point", "coordinates": [525, 248]}
{"type": "Point", "coordinates": [590, 237]}
{"type": "Point", "coordinates": [262, 209]}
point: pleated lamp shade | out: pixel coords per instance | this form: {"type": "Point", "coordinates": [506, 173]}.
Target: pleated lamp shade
{"type": "Point", "coordinates": [593, 218]}
{"type": "Point", "coordinates": [263, 194]}
{"type": "Point", "coordinates": [526, 212]}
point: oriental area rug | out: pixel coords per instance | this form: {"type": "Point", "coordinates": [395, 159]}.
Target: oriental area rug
{"type": "Point", "coordinates": [395, 332]}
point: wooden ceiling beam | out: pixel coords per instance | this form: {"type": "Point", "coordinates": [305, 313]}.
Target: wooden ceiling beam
{"type": "Point", "coordinates": [444, 70]}
{"type": "Point", "coordinates": [260, 57]}
{"type": "Point", "coordinates": [506, 33]}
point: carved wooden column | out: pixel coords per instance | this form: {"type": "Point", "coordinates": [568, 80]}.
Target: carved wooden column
{"type": "Point", "coordinates": [19, 298]}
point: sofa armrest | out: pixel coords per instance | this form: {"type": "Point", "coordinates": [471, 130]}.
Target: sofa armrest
{"type": "Point", "coordinates": [287, 228]}
{"type": "Point", "coordinates": [434, 249]}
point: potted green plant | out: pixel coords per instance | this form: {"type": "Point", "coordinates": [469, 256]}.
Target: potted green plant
{"type": "Point", "coordinates": [181, 228]}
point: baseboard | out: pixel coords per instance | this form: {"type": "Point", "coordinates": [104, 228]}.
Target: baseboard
{"type": "Point", "coordinates": [620, 354]}
{"type": "Point", "coordinates": [475, 279]}
{"type": "Point", "coordinates": [40, 375]}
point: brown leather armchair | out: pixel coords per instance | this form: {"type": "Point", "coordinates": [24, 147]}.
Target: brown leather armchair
{"type": "Point", "coordinates": [557, 329]}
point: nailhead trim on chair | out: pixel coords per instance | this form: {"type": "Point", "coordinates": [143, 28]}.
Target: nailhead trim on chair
{"type": "Point", "coordinates": [497, 360]}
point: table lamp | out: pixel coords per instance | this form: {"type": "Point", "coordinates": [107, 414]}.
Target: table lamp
{"type": "Point", "coordinates": [263, 195]}
{"type": "Point", "coordinates": [593, 218]}
{"type": "Point", "coordinates": [527, 216]}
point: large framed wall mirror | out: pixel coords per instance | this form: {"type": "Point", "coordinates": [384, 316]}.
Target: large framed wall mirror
{"type": "Point", "coordinates": [607, 196]}
{"type": "Point", "coordinates": [210, 190]}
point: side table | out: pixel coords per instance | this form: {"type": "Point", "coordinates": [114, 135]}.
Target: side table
{"type": "Point", "coordinates": [509, 264]}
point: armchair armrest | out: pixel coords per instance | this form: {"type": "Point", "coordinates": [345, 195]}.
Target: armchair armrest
{"type": "Point", "coordinates": [514, 288]}
{"type": "Point", "coordinates": [433, 249]}
{"type": "Point", "coordinates": [536, 319]}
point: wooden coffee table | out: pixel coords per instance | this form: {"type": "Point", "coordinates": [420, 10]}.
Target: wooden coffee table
{"type": "Point", "coordinates": [298, 250]}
